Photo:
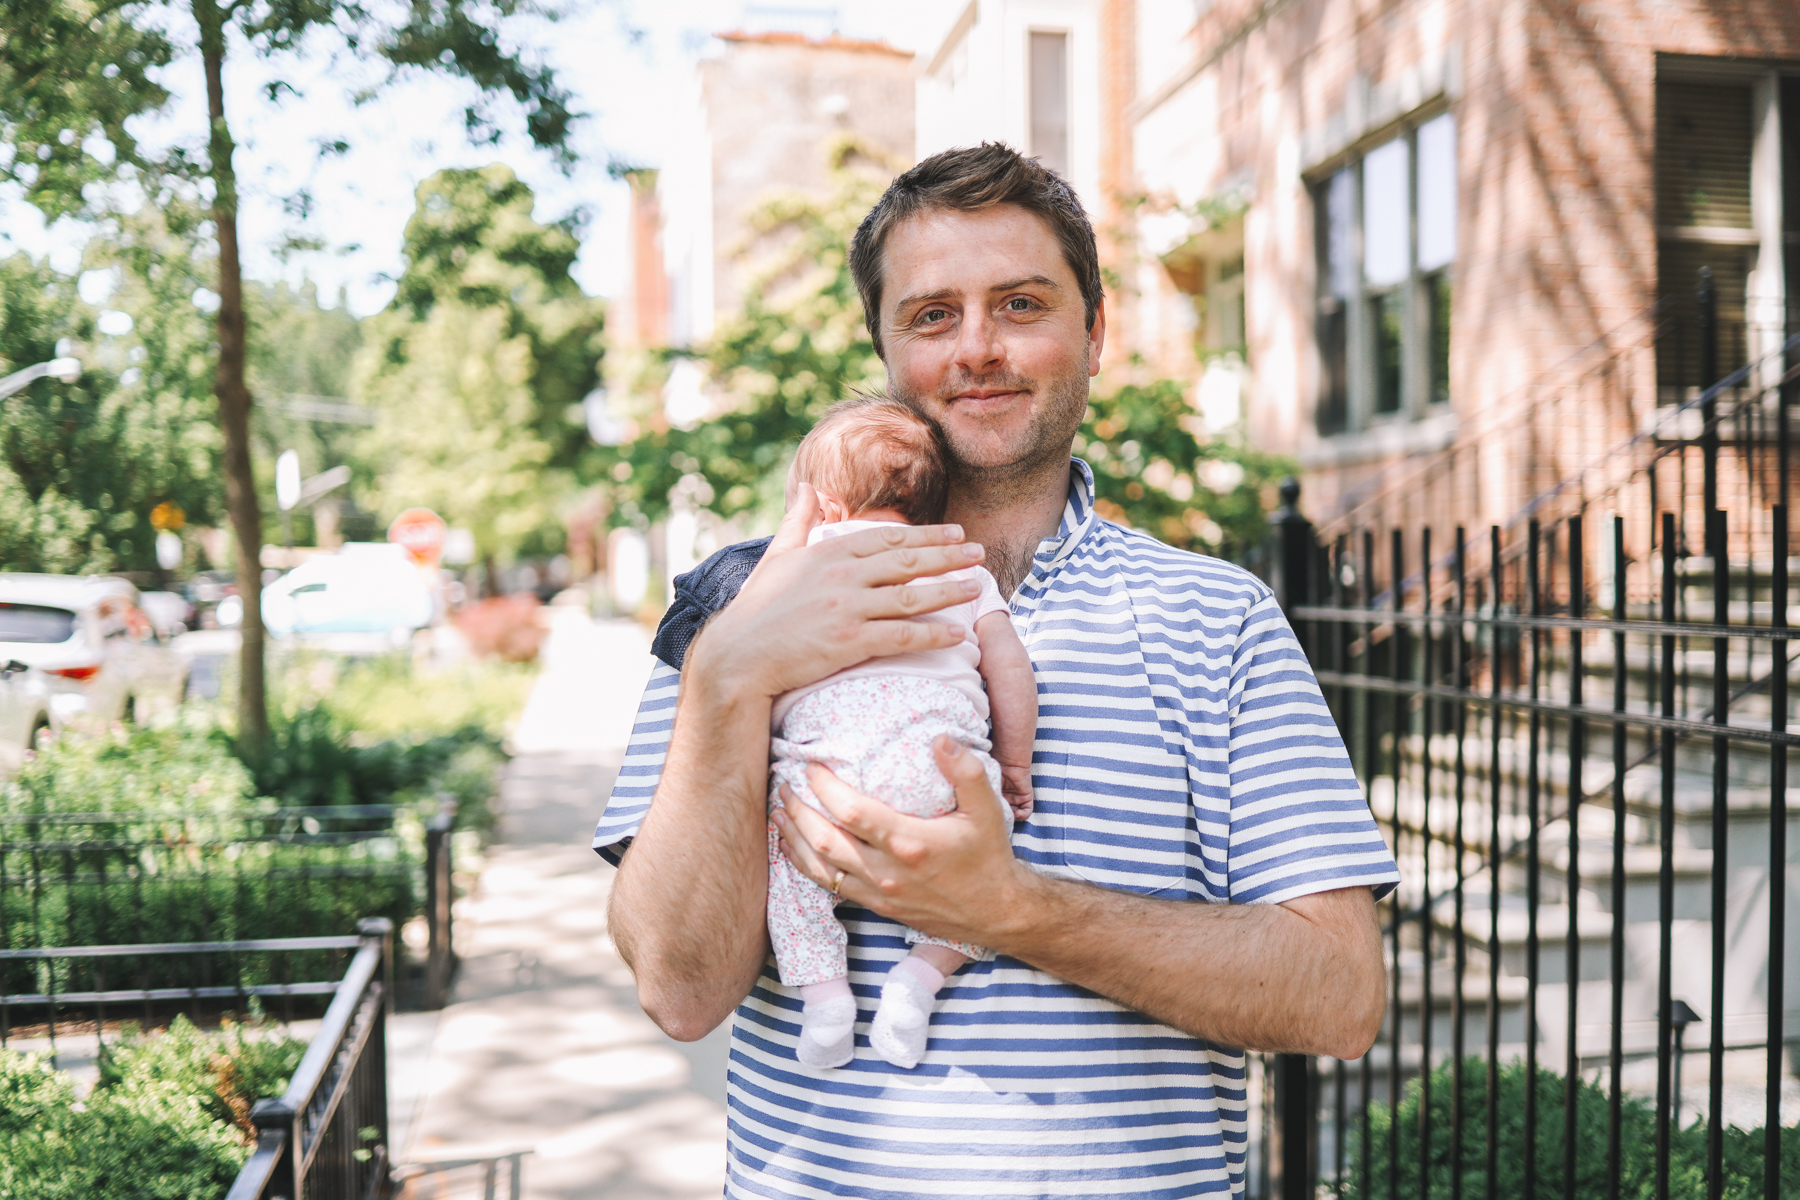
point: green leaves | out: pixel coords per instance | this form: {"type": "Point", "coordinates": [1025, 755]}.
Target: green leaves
{"type": "Point", "coordinates": [167, 1120]}
{"type": "Point", "coordinates": [798, 346]}
{"type": "Point", "coordinates": [73, 74]}
{"type": "Point", "coordinates": [82, 465]}
{"type": "Point", "coordinates": [475, 366]}
{"type": "Point", "coordinates": [1155, 470]}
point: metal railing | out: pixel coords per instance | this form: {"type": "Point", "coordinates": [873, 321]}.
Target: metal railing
{"type": "Point", "coordinates": [440, 951]}
{"type": "Point", "coordinates": [326, 1138]}
{"type": "Point", "coordinates": [1575, 734]}
{"type": "Point", "coordinates": [41, 1013]}
{"type": "Point", "coordinates": [117, 878]}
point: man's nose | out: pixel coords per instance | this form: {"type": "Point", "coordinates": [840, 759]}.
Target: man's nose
{"type": "Point", "coordinates": [980, 349]}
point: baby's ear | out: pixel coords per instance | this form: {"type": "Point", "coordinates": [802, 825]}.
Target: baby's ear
{"type": "Point", "coordinates": [831, 509]}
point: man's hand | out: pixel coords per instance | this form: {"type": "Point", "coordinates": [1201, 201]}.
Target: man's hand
{"type": "Point", "coordinates": [807, 612]}
{"type": "Point", "coordinates": [951, 876]}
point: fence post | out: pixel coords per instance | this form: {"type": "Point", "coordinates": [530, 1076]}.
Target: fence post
{"type": "Point", "coordinates": [1291, 579]}
{"type": "Point", "coordinates": [1707, 318]}
{"type": "Point", "coordinates": [277, 1130]}
{"type": "Point", "coordinates": [371, 1097]}
{"type": "Point", "coordinates": [1295, 1076]}
{"type": "Point", "coordinates": [439, 955]}
{"type": "Point", "coordinates": [1291, 576]}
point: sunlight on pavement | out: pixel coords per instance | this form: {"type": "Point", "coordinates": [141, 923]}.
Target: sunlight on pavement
{"type": "Point", "coordinates": [544, 1047]}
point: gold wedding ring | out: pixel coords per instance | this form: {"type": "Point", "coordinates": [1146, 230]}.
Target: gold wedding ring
{"type": "Point", "coordinates": [837, 883]}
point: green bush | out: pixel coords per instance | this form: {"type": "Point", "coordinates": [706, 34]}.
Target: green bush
{"type": "Point", "coordinates": [384, 731]}
{"type": "Point", "coordinates": [185, 851]}
{"type": "Point", "coordinates": [1743, 1157]}
{"type": "Point", "coordinates": [184, 767]}
{"type": "Point", "coordinates": [166, 1121]}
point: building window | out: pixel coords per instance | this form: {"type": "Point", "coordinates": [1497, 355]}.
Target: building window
{"type": "Point", "coordinates": [1387, 242]}
{"type": "Point", "coordinates": [1722, 133]}
{"type": "Point", "coordinates": [1050, 100]}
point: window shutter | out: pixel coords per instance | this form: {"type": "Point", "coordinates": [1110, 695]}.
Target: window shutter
{"type": "Point", "coordinates": [1703, 146]}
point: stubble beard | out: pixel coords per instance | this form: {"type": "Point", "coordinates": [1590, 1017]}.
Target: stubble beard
{"type": "Point", "coordinates": [986, 478]}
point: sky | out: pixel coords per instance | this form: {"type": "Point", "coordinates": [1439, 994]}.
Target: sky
{"type": "Point", "coordinates": [629, 63]}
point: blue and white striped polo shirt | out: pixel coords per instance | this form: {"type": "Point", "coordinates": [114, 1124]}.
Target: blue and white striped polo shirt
{"type": "Point", "coordinates": [1183, 751]}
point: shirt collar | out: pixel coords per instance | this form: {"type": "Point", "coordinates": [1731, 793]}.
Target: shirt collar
{"type": "Point", "coordinates": [1078, 519]}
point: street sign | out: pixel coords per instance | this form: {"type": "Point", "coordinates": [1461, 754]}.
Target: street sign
{"type": "Point", "coordinates": [421, 532]}
{"type": "Point", "coordinates": [287, 480]}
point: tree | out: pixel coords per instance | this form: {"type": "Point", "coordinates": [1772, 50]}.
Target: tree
{"type": "Point", "coordinates": [301, 351]}
{"type": "Point", "coordinates": [800, 344]}
{"type": "Point", "coordinates": [478, 367]}
{"type": "Point", "coordinates": [73, 74]}
{"type": "Point", "coordinates": [83, 465]}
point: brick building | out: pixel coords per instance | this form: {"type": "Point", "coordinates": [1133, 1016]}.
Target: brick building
{"type": "Point", "coordinates": [1433, 230]}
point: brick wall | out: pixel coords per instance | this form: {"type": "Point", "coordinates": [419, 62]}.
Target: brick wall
{"type": "Point", "coordinates": [1555, 104]}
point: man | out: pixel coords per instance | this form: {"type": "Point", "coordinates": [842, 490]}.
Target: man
{"type": "Point", "coordinates": [1200, 869]}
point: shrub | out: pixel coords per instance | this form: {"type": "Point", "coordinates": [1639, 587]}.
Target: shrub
{"type": "Point", "coordinates": [163, 1122]}
{"type": "Point", "coordinates": [186, 851]}
{"type": "Point", "coordinates": [182, 767]}
{"type": "Point", "coordinates": [1743, 1157]}
{"type": "Point", "coordinates": [503, 627]}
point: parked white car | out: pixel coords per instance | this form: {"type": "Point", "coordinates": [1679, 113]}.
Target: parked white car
{"type": "Point", "coordinates": [25, 719]}
{"type": "Point", "coordinates": [367, 588]}
{"type": "Point", "coordinates": [101, 654]}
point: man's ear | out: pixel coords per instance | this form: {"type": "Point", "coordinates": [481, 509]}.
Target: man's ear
{"type": "Point", "coordinates": [1097, 338]}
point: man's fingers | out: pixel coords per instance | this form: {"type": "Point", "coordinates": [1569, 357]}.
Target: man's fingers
{"type": "Point", "coordinates": [974, 794]}
{"type": "Point", "coordinates": [890, 536]}
{"type": "Point", "coordinates": [794, 840]}
{"type": "Point", "coordinates": [864, 819]}
{"type": "Point", "coordinates": [879, 561]}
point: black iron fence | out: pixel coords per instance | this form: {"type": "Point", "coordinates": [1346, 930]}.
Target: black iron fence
{"type": "Point", "coordinates": [1574, 729]}
{"type": "Point", "coordinates": [326, 1138]}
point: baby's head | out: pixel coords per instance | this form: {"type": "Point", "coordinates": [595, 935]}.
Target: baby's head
{"type": "Point", "coordinates": [874, 456]}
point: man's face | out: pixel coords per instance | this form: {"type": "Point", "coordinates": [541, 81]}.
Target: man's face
{"type": "Point", "coordinates": [985, 332]}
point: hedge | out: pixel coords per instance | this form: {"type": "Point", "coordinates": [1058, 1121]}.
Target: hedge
{"type": "Point", "coordinates": [167, 1119]}
{"type": "Point", "coordinates": [1743, 1149]}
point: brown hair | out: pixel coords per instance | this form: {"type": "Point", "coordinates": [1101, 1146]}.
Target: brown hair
{"type": "Point", "coordinates": [873, 452]}
{"type": "Point", "coordinates": [970, 179]}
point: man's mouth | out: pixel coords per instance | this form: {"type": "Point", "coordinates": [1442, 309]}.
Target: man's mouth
{"type": "Point", "coordinates": [986, 397]}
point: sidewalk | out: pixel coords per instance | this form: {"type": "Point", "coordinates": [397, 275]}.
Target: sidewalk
{"type": "Point", "coordinates": [543, 1046]}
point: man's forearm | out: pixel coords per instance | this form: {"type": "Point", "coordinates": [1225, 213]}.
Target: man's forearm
{"type": "Point", "coordinates": [1302, 977]}
{"type": "Point", "coordinates": [687, 908]}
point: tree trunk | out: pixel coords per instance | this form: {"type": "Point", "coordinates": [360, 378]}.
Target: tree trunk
{"type": "Point", "coordinates": [229, 385]}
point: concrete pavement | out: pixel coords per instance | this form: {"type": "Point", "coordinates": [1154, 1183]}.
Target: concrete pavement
{"type": "Point", "coordinates": [543, 1046]}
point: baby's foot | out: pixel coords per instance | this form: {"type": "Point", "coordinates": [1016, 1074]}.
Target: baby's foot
{"type": "Point", "coordinates": [827, 1032]}
{"type": "Point", "coordinates": [902, 1024]}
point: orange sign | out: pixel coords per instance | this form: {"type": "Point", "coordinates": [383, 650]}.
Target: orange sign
{"type": "Point", "coordinates": [422, 532]}
{"type": "Point", "coordinates": [167, 515]}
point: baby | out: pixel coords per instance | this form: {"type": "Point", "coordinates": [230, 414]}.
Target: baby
{"type": "Point", "coordinates": [873, 460]}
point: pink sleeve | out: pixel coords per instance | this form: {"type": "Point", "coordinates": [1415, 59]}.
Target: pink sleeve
{"type": "Point", "coordinates": [990, 600]}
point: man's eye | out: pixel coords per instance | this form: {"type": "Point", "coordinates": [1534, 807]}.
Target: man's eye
{"type": "Point", "coordinates": [934, 314]}
{"type": "Point", "coordinates": [1019, 304]}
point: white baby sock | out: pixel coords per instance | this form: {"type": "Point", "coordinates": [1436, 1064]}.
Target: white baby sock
{"type": "Point", "coordinates": [902, 1022]}
{"type": "Point", "coordinates": [827, 1024]}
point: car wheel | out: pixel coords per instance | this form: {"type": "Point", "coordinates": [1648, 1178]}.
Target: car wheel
{"type": "Point", "coordinates": [41, 737]}
{"type": "Point", "coordinates": [128, 714]}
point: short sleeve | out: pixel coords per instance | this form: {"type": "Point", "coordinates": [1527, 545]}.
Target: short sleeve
{"type": "Point", "coordinates": [1299, 821]}
{"type": "Point", "coordinates": [642, 769]}
{"type": "Point", "coordinates": [989, 600]}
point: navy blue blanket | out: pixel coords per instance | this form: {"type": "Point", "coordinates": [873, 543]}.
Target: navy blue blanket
{"type": "Point", "coordinates": [702, 592]}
